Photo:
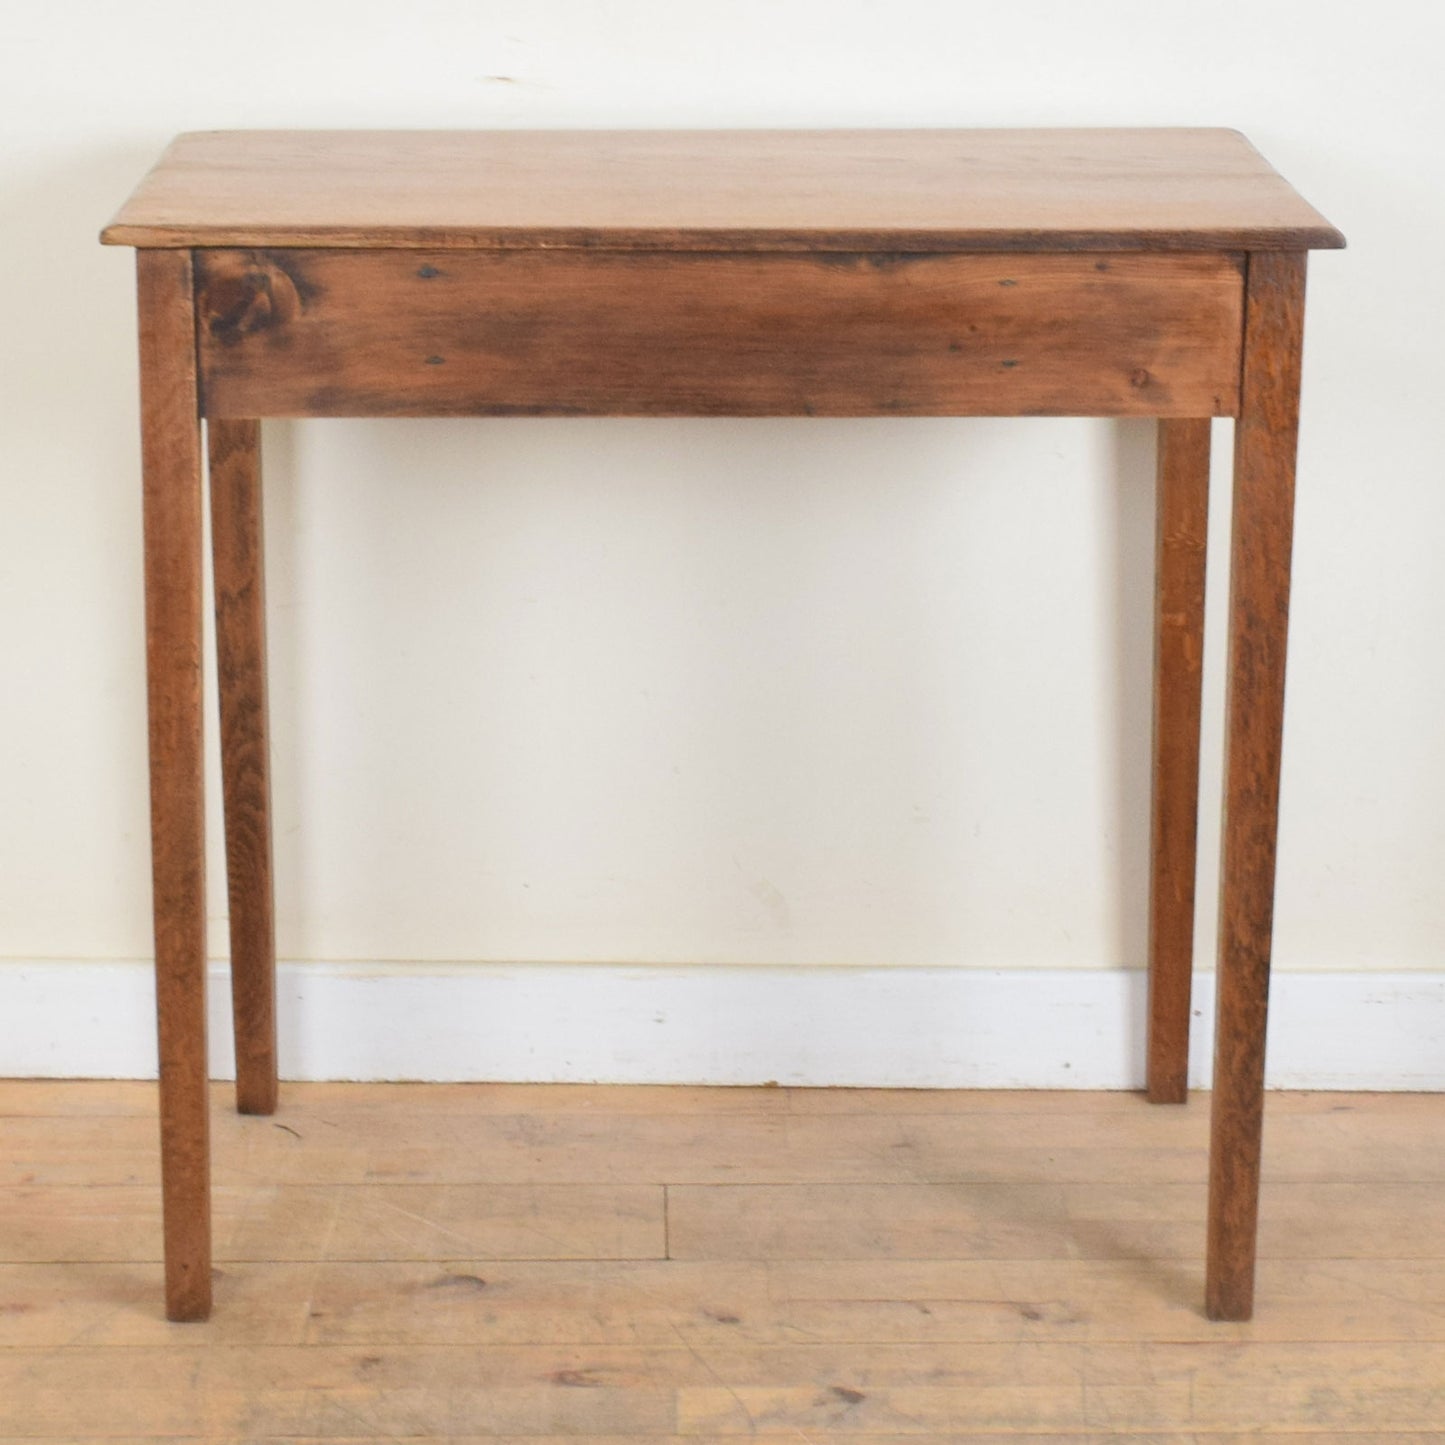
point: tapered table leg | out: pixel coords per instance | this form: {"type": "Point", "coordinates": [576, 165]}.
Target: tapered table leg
{"type": "Point", "coordinates": [1182, 524]}
{"type": "Point", "coordinates": [171, 460]}
{"type": "Point", "coordinates": [1264, 464]}
{"type": "Point", "coordinates": [236, 537]}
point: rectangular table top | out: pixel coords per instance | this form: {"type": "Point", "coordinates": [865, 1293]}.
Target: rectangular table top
{"type": "Point", "coordinates": [727, 190]}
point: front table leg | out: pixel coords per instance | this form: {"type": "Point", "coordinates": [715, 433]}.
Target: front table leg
{"type": "Point", "coordinates": [1264, 463]}
{"type": "Point", "coordinates": [171, 461]}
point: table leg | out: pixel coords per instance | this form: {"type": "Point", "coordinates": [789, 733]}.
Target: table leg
{"type": "Point", "coordinates": [239, 568]}
{"type": "Point", "coordinates": [1182, 512]}
{"type": "Point", "coordinates": [171, 462]}
{"type": "Point", "coordinates": [1264, 464]}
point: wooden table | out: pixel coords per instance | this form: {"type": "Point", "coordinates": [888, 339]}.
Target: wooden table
{"type": "Point", "coordinates": [750, 273]}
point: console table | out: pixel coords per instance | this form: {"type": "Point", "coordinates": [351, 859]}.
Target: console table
{"type": "Point", "coordinates": [1111, 273]}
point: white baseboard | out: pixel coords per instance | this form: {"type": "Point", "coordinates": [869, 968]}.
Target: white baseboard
{"type": "Point", "coordinates": [902, 1027]}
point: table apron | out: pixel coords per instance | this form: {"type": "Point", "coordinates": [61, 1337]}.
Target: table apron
{"type": "Point", "coordinates": [335, 332]}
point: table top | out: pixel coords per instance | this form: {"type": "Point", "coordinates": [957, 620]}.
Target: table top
{"type": "Point", "coordinates": [735, 190]}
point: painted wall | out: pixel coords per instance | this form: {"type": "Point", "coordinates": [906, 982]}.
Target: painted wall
{"type": "Point", "coordinates": [872, 693]}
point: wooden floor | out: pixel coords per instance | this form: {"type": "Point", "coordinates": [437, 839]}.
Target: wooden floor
{"type": "Point", "coordinates": [471, 1263]}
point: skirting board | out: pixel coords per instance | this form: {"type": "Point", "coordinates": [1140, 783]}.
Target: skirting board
{"type": "Point", "coordinates": [880, 1027]}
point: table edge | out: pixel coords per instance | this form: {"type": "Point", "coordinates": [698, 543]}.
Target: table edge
{"type": "Point", "coordinates": [1322, 237]}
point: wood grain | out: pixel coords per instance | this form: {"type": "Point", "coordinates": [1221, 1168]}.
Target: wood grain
{"type": "Point", "coordinates": [939, 1392]}
{"type": "Point", "coordinates": [750, 190]}
{"type": "Point", "coordinates": [1050, 1141]}
{"type": "Point", "coordinates": [852, 1437]}
{"type": "Point", "coordinates": [171, 461]}
{"type": "Point", "coordinates": [1262, 531]}
{"type": "Point", "coordinates": [258, 1221]}
{"type": "Point", "coordinates": [380, 1322]}
{"type": "Point", "coordinates": [1181, 539]}
{"type": "Point", "coordinates": [238, 566]}
{"type": "Point", "coordinates": [406, 333]}
{"type": "Point", "coordinates": [491, 1302]}
{"type": "Point", "coordinates": [1013, 1220]}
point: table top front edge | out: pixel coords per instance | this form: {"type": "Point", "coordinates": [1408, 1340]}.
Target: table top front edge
{"type": "Point", "coordinates": [1323, 237]}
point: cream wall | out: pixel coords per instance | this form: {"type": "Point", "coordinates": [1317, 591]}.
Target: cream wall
{"type": "Point", "coordinates": [871, 693]}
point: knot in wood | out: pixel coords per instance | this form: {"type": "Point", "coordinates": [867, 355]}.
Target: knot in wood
{"type": "Point", "coordinates": [246, 292]}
